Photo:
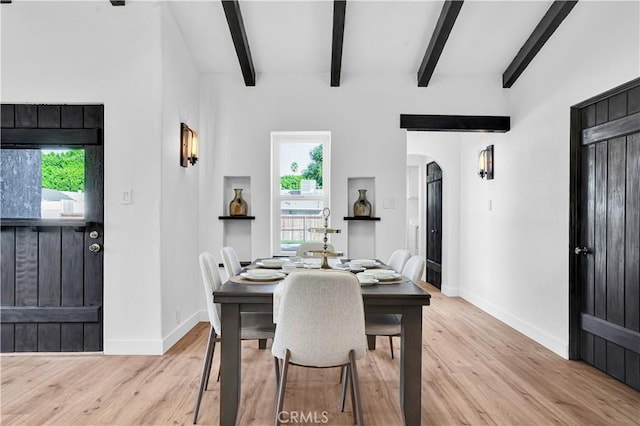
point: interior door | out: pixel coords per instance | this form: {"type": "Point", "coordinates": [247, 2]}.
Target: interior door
{"type": "Point", "coordinates": [434, 225]}
{"type": "Point", "coordinates": [607, 250]}
{"type": "Point", "coordinates": [51, 268]}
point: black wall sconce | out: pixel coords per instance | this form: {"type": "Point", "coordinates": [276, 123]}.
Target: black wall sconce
{"type": "Point", "coordinates": [188, 146]}
{"type": "Point", "coordinates": [485, 163]}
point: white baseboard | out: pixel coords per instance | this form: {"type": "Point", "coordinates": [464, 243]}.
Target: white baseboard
{"type": "Point", "coordinates": [450, 291]}
{"type": "Point", "coordinates": [154, 347]}
{"type": "Point", "coordinates": [550, 342]}
{"type": "Point", "coordinates": [180, 331]}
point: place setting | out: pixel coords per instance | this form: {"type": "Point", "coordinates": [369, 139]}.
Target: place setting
{"type": "Point", "coordinates": [258, 276]}
{"type": "Point", "coordinates": [380, 276]}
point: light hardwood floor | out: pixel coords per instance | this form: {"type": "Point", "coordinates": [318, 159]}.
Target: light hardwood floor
{"type": "Point", "coordinates": [476, 370]}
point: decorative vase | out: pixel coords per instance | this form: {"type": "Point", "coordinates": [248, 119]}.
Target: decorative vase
{"type": "Point", "coordinates": [238, 206]}
{"type": "Point", "coordinates": [362, 206]}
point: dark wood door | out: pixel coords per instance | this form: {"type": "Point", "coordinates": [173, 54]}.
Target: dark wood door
{"type": "Point", "coordinates": [50, 281]}
{"type": "Point", "coordinates": [607, 241]}
{"type": "Point", "coordinates": [434, 224]}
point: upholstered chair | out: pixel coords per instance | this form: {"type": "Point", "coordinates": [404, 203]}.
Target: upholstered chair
{"type": "Point", "coordinates": [230, 261]}
{"type": "Point", "coordinates": [398, 259]}
{"type": "Point", "coordinates": [255, 326]}
{"type": "Point", "coordinates": [320, 324]}
{"type": "Point", "coordinates": [312, 245]}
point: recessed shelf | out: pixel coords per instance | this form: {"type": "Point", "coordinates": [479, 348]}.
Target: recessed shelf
{"type": "Point", "coordinates": [361, 218]}
{"type": "Point", "coordinates": [236, 217]}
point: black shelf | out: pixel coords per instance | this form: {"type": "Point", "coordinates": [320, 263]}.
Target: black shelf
{"type": "Point", "coordinates": [361, 218]}
{"type": "Point", "coordinates": [236, 217]}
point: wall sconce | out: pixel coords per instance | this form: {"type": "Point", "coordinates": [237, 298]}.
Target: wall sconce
{"type": "Point", "coordinates": [188, 146]}
{"type": "Point", "coordinates": [485, 163]}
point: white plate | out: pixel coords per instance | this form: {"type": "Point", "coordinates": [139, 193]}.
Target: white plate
{"type": "Point", "coordinates": [383, 274]}
{"type": "Point", "coordinates": [366, 279]}
{"type": "Point", "coordinates": [364, 263]}
{"type": "Point", "coordinates": [269, 265]}
{"type": "Point", "coordinates": [263, 277]}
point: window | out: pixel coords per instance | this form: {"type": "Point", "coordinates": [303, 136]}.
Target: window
{"type": "Point", "coordinates": [300, 164]}
{"type": "Point", "coordinates": [42, 183]}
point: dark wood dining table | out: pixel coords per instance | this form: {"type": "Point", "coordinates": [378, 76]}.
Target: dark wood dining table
{"type": "Point", "coordinates": [406, 299]}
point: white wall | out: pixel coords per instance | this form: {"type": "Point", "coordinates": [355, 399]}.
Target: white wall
{"type": "Point", "coordinates": [443, 148]}
{"type": "Point", "coordinates": [181, 287]}
{"type": "Point", "coordinates": [363, 116]}
{"type": "Point", "coordinates": [92, 52]}
{"type": "Point", "coordinates": [514, 259]}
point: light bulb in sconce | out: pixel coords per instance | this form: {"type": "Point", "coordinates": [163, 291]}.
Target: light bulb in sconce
{"type": "Point", "coordinates": [485, 163]}
{"type": "Point", "coordinates": [188, 146]}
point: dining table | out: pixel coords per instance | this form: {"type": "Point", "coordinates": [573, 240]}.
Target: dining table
{"type": "Point", "coordinates": [405, 298]}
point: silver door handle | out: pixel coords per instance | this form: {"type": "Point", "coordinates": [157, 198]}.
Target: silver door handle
{"type": "Point", "coordinates": [582, 250]}
{"type": "Point", "coordinates": [94, 248]}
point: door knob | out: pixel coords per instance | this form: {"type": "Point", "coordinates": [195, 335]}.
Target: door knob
{"type": "Point", "coordinates": [434, 231]}
{"type": "Point", "coordinates": [582, 250]}
{"type": "Point", "coordinates": [94, 248]}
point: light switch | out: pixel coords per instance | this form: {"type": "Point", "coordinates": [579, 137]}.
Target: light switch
{"type": "Point", "coordinates": [490, 205]}
{"type": "Point", "coordinates": [389, 203]}
{"type": "Point", "coordinates": [125, 197]}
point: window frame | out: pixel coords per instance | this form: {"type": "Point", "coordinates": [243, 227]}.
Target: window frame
{"type": "Point", "coordinates": [278, 139]}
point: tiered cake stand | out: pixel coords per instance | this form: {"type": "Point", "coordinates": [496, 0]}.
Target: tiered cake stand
{"type": "Point", "coordinates": [324, 253]}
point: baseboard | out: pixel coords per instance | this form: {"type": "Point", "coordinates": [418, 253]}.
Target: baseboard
{"type": "Point", "coordinates": [154, 347]}
{"type": "Point", "coordinates": [180, 331]}
{"type": "Point", "coordinates": [450, 291]}
{"type": "Point", "coordinates": [133, 347]}
{"type": "Point", "coordinates": [553, 344]}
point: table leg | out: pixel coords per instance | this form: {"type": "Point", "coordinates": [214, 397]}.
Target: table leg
{"type": "Point", "coordinates": [371, 342]}
{"type": "Point", "coordinates": [411, 365]}
{"type": "Point", "coordinates": [230, 364]}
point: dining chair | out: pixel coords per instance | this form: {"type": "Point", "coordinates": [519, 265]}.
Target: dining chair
{"type": "Point", "coordinates": [230, 261]}
{"type": "Point", "coordinates": [255, 326]}
{"type": "Point", "coordinates": [310, 246]}
{"type": "Point", "coordinates": [320, 325]}
{"type": "Point", "coordinates": [398, 259]}
{"type": "Point", "coordinates": [391, 324]}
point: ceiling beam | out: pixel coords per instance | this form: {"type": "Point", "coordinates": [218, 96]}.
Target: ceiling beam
{"type": "Point", "coordinates": [339, 8]}
{"type": "Point", "coordinates": [448, 16]}
{"type": "Point", "coordinates": [543, 31]}
{"type": "Point", "coordinates": [239, 36]}
{"type": "Point", "coordinates": [117, 2]}
{"type": "Point", "coordinates": [455, 123]}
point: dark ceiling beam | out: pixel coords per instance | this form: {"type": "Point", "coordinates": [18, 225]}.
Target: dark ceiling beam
{"type": "Point", "coordinates": [455, 123]}
{"type": "Point", "coordinates": [117, 2]}
{"type": "Point", "coordinates": [5, 1]}
{"type": "Point", "coordinates": [239, 36]}
{"type": "Point", "coordinates": [448, 16]}
{"type": "Point", "coordinates": [543, 31]}
{"type": "Point", "coordinates": [339, 8]}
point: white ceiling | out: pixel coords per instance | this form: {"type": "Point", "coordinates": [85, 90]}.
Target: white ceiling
{"type": "Point", "coordinates": [380, 36]}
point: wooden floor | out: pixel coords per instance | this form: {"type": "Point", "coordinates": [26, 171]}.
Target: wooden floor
{"type": "Point", "coordinates": [476, 370]}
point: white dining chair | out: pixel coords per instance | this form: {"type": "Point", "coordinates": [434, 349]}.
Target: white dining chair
{"type": "Point", "coordinates": [320, 324]}
{"type": "Point", "coordinates": [255, 326]}
{"type": "Point", "coordinates": [414, 268]}
{"type": "Point", "coordinates": [398, 259]}
{"type": "Point", "coordinates": [230, 261]}
{"type": "Point", "coordinates": [391, 324]}
{"type": "Point", "coordinates": [310, 246]}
